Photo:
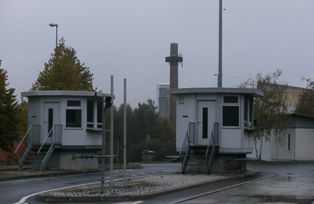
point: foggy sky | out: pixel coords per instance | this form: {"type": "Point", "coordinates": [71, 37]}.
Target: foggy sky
{"type": "Point", "coordinates": [130, 39]}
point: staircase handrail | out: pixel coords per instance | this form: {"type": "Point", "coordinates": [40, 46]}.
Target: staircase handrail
{"type": "Point", "coordinates": [186, 143]}
{"type": "Point", "coordinates": [212, 152]}
{"type": "Point", "coordinates": [22, 140]}
{"type": "Point", "coordinates": [45, 160]}
{"type": "Point", "coordinates": [185, 151]}
{"type": "Point", "coordinates": [46, 138]}
{"type": "Point", "coordinates": [212, 139]}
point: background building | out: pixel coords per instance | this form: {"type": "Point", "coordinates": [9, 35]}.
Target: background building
{"type": "Point", "coordinates": [163, 99]}
{"type": "Point", "coordinates": [295, 142]}
{"type": "Point", "coordinates": [293, 95]}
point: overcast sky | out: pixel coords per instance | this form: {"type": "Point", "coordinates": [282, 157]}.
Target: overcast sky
{"type": "Point", "coordinates": [130, 39]}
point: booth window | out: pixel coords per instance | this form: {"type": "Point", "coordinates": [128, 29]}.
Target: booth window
{"type": "Point", "coordinates": [248, 112]}
{"type": "Point", "coordinates": [75, 103]}
{"type": "Point", "coordinates": [230, 111]}
{"type": "Point", "coordinates": [90, 114]}
{"type": "Point", "coordinates": [74, 114]}
{"type": "Point", "coordinates": [99, 114]}
{"type": "Point", "coordinates": [94, 114]}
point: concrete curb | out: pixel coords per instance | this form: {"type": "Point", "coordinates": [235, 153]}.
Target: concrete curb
{"type": "Point", "coordinates": [49, 198]}
{"type": "Point", "coordinates": [56, 173]}
{"type": "Point", "coordinates": [47, 175]}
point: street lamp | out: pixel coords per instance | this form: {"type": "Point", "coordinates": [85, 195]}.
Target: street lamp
{"type": "Point", "coordinates": [55, 25]}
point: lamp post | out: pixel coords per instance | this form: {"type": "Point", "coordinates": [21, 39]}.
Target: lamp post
{"type": "Point", "coordinates": [55, 25]}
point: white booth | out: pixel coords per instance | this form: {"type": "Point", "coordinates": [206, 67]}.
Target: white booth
{"type": "Point", "coordinates": [216, 123]}
{"type": "Point", "coordinates": [63, 125]}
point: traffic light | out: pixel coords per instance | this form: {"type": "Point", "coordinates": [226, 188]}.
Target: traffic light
{"type": "Point", "coordinates": [108, 101]}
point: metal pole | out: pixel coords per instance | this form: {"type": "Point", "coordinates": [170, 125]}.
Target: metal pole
{"type": "Point", "coordinates": [111, 125]}
{"type": "Point", "coordinates": [56, 36]}
{"type": "Point", "coordinates": [219, 81]}
{"type": "Point", "coordinates": [124, 126]}
{"type": "Point", "coordinates": [103, 148]}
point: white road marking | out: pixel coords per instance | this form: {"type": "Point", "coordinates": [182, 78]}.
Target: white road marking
{"type": "Point", "coordinates": [220, 189]}
{"type": "Point", "coordinates": [43, 178]}
{"type": "Point", "coordinates": [137, 202]}
{"type": "Point", "coordinates": [23, 200]}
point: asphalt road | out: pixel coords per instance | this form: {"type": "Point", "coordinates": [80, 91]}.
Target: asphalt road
{"type": "Point", "coordinates": [289, 183]}
{"type": "Point", "coordinates": [12, 191]}
{"type": "Point", "coordinates": [283, 177]}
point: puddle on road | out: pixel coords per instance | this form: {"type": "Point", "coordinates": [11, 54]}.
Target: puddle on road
{"type": "Point", "coordinates": [283, 199]}
{"type": "Point", "coordinates": [288, 178]}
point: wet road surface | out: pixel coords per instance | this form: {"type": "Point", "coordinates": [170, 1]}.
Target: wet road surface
{"type": "Point", "coordinates": [290, 183]}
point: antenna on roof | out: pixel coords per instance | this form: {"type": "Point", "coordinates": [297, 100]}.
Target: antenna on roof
{"type": "Point", "coordinates": [219, 76]}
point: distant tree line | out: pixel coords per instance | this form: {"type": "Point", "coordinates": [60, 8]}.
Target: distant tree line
{"type": "Point", "coordinates": [146, 130]}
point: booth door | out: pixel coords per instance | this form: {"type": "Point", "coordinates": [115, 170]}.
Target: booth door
{"type": "Point", "coordinates": [206, 118]}
{"type": "Point", "coordinates": [51, 118]}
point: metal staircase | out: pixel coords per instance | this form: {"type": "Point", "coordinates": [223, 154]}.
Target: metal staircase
{"type": "Point", "coordinates": [37, 155]}
{"type": "Point", "coordinates": [200, 157]}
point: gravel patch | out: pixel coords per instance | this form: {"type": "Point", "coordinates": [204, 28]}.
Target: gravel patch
{"type": "Point", "coordinates": [131, 188]}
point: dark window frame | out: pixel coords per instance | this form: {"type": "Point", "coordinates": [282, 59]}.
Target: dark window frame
{"type": "Point", "coordinates": [73, 118]}
{"type": "Point", "coordinates": [90, 114]}
{"type": "Point", "coordinates": [231, 103]}
{"type": "Point", "coordinates": [205, 122]}
{"type": "Point", "coordinates": [94, 114]}
{"type": "Point", "coordinates": [74, 103]}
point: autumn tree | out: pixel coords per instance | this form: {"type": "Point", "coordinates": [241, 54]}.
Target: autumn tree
{"type": "Point", "coordinates": [270, 110]}
{"type": "Point", "coordinates": [305, 105]}
{"type": "Point", "coordinates": [64, 71]}
{"type": "Point", "coordinates": [23, 109]}
{"type": "Point", "coordinates": [9, 113]}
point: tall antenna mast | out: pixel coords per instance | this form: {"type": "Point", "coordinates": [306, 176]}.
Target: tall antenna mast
{"type": "Point", "coordinates": [219, 76]}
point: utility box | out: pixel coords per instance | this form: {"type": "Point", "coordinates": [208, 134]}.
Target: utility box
{"type": "Point", "coordinates": [148, 156]}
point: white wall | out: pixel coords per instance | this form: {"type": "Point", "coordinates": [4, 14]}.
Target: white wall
{"type": "Point", "coordinates": [280, 145]}
{"type": "Point", "coordinates": [304, 144]}
{"type": "Point", "coordinates": [186, 108]}
{"type": "Point", "coordinates": [230, 138]}
{"type": "Point", "coordinates": [34, 111]}
{"type": "Point", "coordinates": [276, 147]}
{"type": "Point", "coordinates": [266, 149]}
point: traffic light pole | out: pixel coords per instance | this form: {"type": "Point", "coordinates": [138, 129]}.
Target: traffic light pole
{"type": "Point", "coordinates": [103, 149]}
{"type": "Point", "coordinates": [124, 125]}
{"type": "Point", "coordinates": [111, 125]}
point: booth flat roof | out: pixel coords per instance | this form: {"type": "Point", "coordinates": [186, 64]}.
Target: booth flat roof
{"type": "Point", "coordinates": [185, 91]}
{"type": "Point", "coordinates": [62, 93]}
